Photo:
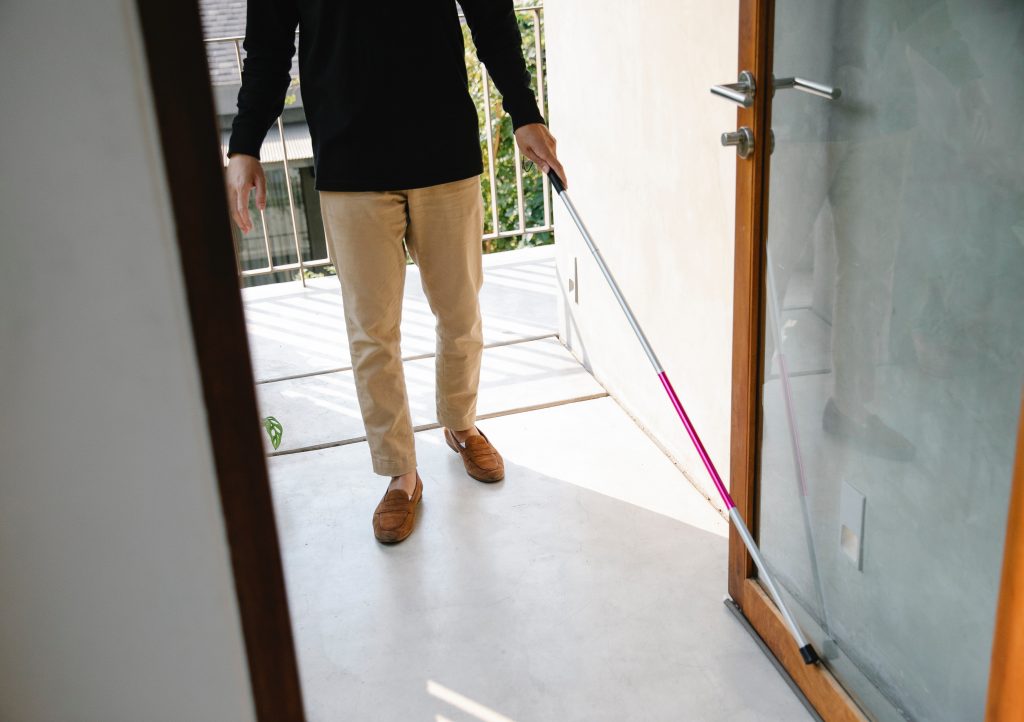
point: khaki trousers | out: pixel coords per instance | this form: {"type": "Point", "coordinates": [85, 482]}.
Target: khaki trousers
{"type": "Point", "coordinates": [441, 226]}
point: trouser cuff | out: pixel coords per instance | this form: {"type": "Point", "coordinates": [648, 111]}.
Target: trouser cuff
{"type": "Point", "coordinates": [393, 467]}
{"type": "Point", "coordinates": [457, 423]}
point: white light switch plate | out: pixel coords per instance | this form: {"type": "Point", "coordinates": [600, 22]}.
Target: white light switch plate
{"type": "Point", "coordinates": [851, 525]}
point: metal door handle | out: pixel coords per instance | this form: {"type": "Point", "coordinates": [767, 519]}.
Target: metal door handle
{"type": "Point", "coordinates": [741, 92]}
{"type": "Point", "coordinates": [743, 139]}
{"type": "Point", "coordinates": [808, 86]}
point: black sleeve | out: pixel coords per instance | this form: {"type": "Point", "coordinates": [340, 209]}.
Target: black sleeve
{"type": "Point", "coordinates": [499, 45]}
{"type": "Point", "coordinates": [266, 73]}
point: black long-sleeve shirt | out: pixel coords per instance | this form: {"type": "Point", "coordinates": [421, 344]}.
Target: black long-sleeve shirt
{"type": "Point", "coordinates": [384, 86]}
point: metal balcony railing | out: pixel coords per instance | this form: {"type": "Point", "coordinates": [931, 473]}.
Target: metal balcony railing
{"type": "Point", "coordinates": [495, 177]}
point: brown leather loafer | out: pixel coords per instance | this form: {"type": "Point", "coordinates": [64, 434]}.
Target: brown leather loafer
{"type": "Point", "coordinates": [482, 461]}
{"type": "Point", "coordinates": [396, 513]}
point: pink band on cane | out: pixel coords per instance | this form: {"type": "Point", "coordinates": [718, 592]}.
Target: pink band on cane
{"type": "Point", "coordinates": [722, 491]}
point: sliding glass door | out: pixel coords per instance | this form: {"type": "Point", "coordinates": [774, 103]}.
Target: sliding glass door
{"type": "Point", "coordinates": [893, 337]}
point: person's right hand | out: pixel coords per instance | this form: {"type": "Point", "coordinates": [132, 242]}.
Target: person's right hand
{"type": "Point", "coordinates": [245, 173]}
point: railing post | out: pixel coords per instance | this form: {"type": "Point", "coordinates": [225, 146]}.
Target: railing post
{"type": "Point", "coordinates": [538, 43]}
{"type": "Point", "coordinates": [491, 171]}
{"type": "Point", "coordinates": [263, 217]}
{"type": "Point", "coordinates": [291, 200]}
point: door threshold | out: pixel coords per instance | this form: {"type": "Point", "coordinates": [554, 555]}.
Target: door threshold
{"type": "Point", "coordinates": [733, 607]}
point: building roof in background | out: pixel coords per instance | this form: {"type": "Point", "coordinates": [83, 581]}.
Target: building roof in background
{"type": "Point", "coordinates": [296, 138]}
{"type": "Point", "coordinates": [226, 19]}
{"type": "Point", "coordinates": [222, 17]}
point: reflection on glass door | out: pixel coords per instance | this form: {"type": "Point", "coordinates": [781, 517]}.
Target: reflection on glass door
{"type": "Point", "coordinates": [894, 337]}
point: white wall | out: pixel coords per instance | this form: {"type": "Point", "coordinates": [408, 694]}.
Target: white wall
{"type": "Point", "coordinates": [116, 596]}
{"type": "Point", "coordinates": [638, 134]}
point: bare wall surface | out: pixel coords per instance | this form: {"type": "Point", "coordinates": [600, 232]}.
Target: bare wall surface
{"type": "Point", "coordinates": [638, 135]}
{"type": "Point", "coordinates": [116, 599]}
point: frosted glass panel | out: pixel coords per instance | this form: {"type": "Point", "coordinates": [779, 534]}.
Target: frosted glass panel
{"type": "Point", "coordinates": [895, 327]}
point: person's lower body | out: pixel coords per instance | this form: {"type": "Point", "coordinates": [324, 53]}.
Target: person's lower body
{"type": "Point", "coordinates": [369, 233]}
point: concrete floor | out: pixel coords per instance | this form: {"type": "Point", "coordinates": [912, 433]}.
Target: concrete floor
{"type": "Point", "coordinates": [586, 586]}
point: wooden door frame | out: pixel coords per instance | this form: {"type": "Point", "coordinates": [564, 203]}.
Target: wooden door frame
{"type": "Point", "coordinates": [180, 82]}
{"type": "Point", "coordinates": [755, 54]}
{"type": "Point", "coordinates": [1005, 691]}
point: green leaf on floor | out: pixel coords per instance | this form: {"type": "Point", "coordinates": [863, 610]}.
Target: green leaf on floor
{"type": "Point", "coordinates": [274, 430]}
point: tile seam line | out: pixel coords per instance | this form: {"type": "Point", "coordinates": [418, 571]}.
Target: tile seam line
{"type": "Point", "coordinates": [435, 425]}
{"type": "Point", "coordinates": [414, 357]}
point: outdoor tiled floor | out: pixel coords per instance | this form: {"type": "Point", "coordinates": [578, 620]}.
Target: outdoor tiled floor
{"type": "Point", "coordinates": [586, 586]}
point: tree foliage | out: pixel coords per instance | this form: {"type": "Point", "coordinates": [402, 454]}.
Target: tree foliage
{"type": "Point", "coordinates": [503, 149]}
